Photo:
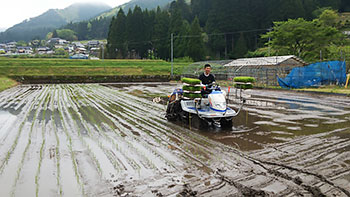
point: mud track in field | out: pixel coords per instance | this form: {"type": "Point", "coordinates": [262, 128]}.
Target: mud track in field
{"type": "Point", "coordinates": [94, 140]}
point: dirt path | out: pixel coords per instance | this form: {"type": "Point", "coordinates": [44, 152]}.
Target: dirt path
{"type": "Point", "coordinates": [93, 140]}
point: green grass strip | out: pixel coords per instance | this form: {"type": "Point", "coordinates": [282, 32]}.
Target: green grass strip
{"type": "Point", "coordinates": [6, 83]}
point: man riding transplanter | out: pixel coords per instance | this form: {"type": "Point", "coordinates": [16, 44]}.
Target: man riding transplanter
{"type": "Point", "coordinates": [206, 77]}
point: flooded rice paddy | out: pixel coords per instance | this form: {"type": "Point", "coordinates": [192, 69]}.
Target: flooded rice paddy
{"type": "Point", "coordinates": [114, 140]}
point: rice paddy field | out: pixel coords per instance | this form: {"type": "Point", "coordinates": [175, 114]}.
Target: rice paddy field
{"type": "Point", "coordinates": [64, 67]}
{"type": "Point", "coordinates": [114, 140]}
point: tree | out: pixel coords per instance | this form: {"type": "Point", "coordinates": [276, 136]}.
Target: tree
{"type": "Point", "coordinates": [116, 41]}
{"type": "Point", "coordinates": [160, 35]}
{"type": "Point", "coordinates": [302, 38]}
{"type": "Point", "coordinates": [329, 17]}
{"type": "Point", "coordinates": [201, 8]}
{"type": "Point", "coordinates": [67, 34]}
{"type": "Point", "coordinates": [195, 48]}
{"type": "Point", "coordinates": [111, 40]}
{"type": "Point", "coordinates": [135, 28]}
{"type": "Point", "coordinates": [60, 51]}
{"type": "Point", "coordinates": [54, 34]}
{"type": "Point", "coordinates": [345, 6]}
{"type": "Point", "coordinates": [21, 43]}
{"type": "Point", "coordinates": [240, 48]}
{"type": "Point", "coordinates": [335, 4]}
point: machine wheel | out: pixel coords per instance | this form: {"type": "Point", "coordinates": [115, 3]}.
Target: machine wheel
{"type": "Point", "coordinates": [173, 111]}
{"type": "Point", "coordinates": [226, 123]}
{"type": "Point", "coordinates": [197, 122]}
{"type": "Point", "coordinates": [184, 117]}
{"type": "Point", "coordinates": [170, 112]}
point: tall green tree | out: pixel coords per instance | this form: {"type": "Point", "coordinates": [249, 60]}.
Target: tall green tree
{"type": "Point", "coordinates": [302, 38]}
{"type": "Point", "coordinates": [335, 4]}
{"type": "Point", "coordinates": [201, 9]}
{"type": "Point", "coordinates": [116, 42]}
{"type": "Point", "coordinates": [111, 40]}
{"type": "Point", "coordinates": [136, 26]}
{"type": "Point", "coordinates": [345, 6]}
{"type": "Point", "coordinates": [195, 48]}
{"type": "Point", "coordinates": [54, 34]}
{"type": "Point", "coordinates": [240, 48]}
{"type": "Point", "coordinates": [160, 36]}
{"type": "Point", "coordinates": [329, 18]}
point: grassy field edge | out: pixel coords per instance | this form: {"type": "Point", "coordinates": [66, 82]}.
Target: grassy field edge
{"type": "Point", "coordinates": [6, 83]}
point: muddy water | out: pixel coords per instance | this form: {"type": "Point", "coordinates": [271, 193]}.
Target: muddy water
{"type": "Point", "coordinates": [104, 140]}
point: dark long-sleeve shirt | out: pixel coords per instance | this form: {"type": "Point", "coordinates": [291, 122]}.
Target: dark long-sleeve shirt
{"type": "Point", "coordinates": [206, 79]}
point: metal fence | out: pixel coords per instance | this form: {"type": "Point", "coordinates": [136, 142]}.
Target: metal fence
{"type": "Point", "coordinates": [264, 75]}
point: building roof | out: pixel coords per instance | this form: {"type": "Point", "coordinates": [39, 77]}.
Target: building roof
{"type": "Point", "coordinates": [93, 42]}
{"type": "Point", "coordinates": [263, 61]}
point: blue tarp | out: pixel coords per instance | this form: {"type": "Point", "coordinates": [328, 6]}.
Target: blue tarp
{"type": "Point", "coordinates": [314, 75]}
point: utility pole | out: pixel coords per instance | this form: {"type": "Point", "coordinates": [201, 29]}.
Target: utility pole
{"type": "Point", "coordinates": [269, 48]}
{"type": "Point", "coordinates": [172, 55]}
{"type": "Point", "coordinates": [103, 51]}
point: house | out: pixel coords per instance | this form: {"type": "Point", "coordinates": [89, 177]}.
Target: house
{"type": "Point", "coordinates": [25, 50]}
{"type": "Point", "coordinates": [93, 44]}
{"type": "Point", "coordinates": [11, 46]}
{"type": "Point", "coordinates": [264, 69]}
{"type": "Point", "coordinates": [80, 50]}
{"type": "Point", "coordinates": [57, 41]}
{"type": "Point", "coordinates": [43, 50]}
{"type": "Point", "coordinates": [95, 51]}
{"type": "Point", "coordinates": [78, 45]}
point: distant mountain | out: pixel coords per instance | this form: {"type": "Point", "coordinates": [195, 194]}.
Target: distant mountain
{"type": "Point", "coordinates": [98, 27]}
{"type": "Point", "coordinates": [2, 29]}
{"type": "Point", "coordinates": [39, 26]}
{"type": "Point", "coordinates": [144, 4]}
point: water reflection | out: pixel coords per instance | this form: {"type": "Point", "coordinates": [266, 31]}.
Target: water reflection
{"type": "Point", "coordinates": [270, 117]}
{"type": "Point", "coordinates": [6, 121]}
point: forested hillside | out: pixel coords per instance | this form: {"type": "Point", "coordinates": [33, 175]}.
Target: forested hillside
{"type": "Point", "coordinates": [98, 27]}
{"type": "Point", "coordinates": [38, 27]}
{"type": "Point", "coordinates": [206, 29]}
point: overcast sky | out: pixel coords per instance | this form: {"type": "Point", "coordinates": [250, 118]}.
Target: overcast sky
{"type": "Point", "coordinates": [15, 11]}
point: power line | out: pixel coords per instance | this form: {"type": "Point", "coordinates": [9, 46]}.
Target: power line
{"type": "Point", "coordinates": [224, 33]}
{"type": "Point", "coordinates": [194, 36]}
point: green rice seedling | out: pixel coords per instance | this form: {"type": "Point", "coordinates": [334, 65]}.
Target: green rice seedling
{"type": "Point", "coordinates": [70, 147]}
{"type": "Point", "coordinates": [58, 157]}
{"type": "Point", "coordinates": [192, 95]}
{"type": "Point", "coordinates": [14, 145]}
{"type": "Point", "coordinates": [191, 88]}
{"type": "Point", "coordinates": [244, 79]}
{"type": "Point", "coordinates": [20, 166]}
{"type": "Point", "coordinates": [243, 86]}
{"type": "Point", "coordinates": [191, 81]}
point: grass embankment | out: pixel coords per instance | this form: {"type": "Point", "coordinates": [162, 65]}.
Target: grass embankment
{"type": "Point", "coordinates": [66, 67]}
{"type": "Point", "coordinates": [6, 83]}
{"type": "Point", "coordinates": [324, 89]}
{"type": "Point", "coordinates": [328, 89]}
